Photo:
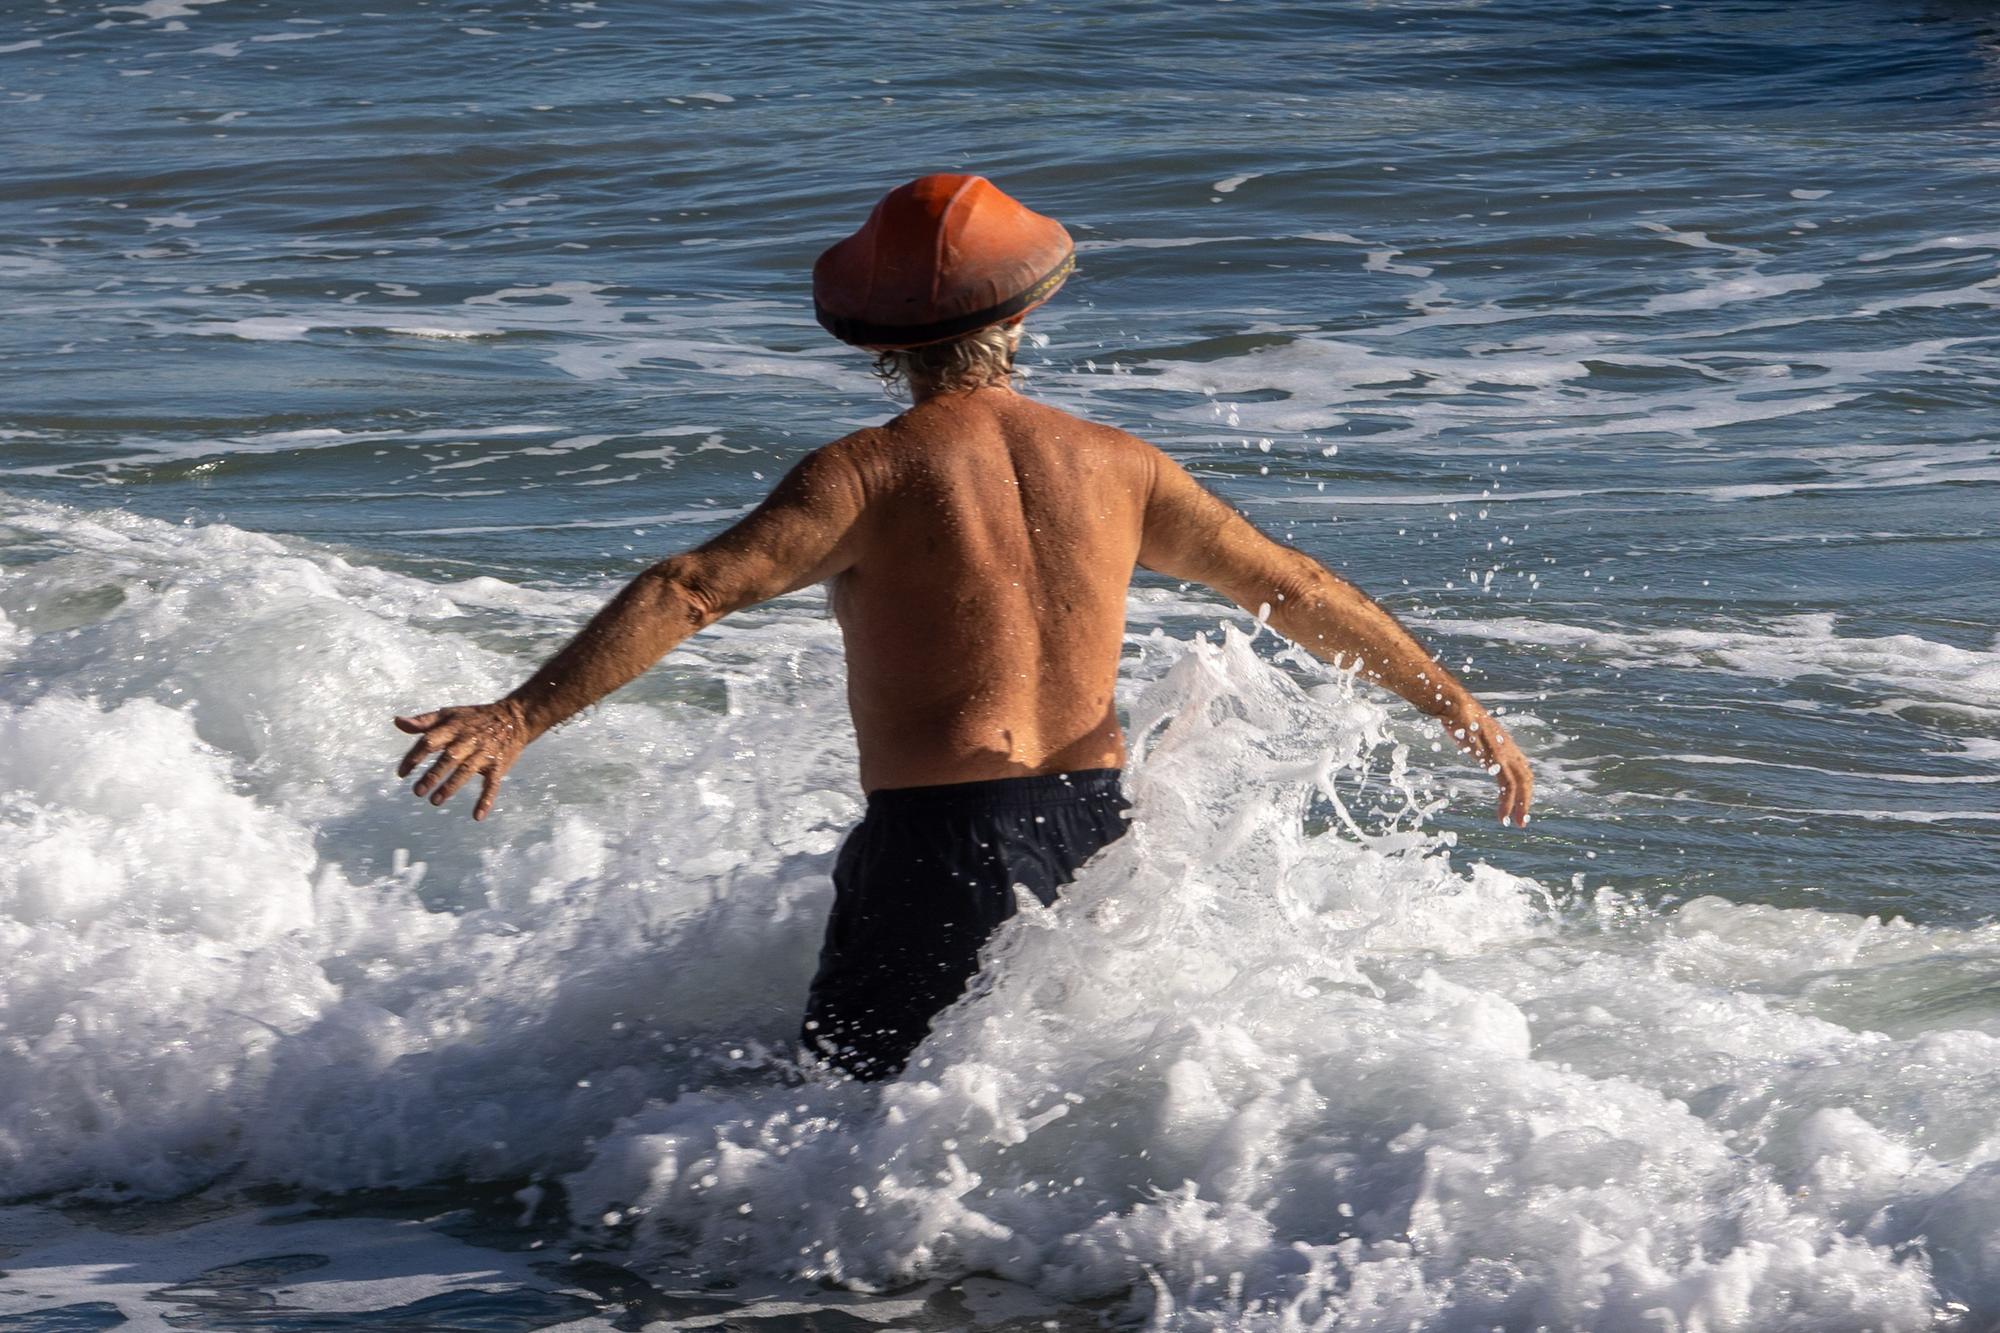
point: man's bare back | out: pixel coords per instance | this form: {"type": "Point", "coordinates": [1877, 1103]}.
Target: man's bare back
{"type": "Point", "coordinates": [984, 610]}
{"type": "Point", "coordinates": [979, 547]}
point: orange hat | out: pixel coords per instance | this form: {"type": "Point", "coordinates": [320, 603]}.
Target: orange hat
{"type": "Point", "coordinates": [939, 258]}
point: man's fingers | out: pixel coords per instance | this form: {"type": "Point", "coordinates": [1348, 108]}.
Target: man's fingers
{"type": "Point", "coordinates": [465, 747]}
{"type": "Point", "coordinates": [1517, 786]}
{"type": "Point", "coordinates": [438, 772]}
{"type": "Point", "coordinates": [439, 737]}
{"type": "Point", "coordinates": [417, 724]}
{"type": "Point", "coordinates": [414, 757]}
{"type": "Point", "coordinates": [487, 792]}
{"type": "Point", "coordinates": [427, 744]}
{"type": "Point", "coordinates": [466, 773]}
{"type": "Point", "coordinates": [1487, 744]}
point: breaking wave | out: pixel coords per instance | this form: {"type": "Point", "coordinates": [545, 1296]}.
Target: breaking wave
{"type": "Point", "coordinates": [1276, 1060]}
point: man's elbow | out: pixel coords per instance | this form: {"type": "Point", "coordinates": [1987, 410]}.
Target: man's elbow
{"type": "Point", "coordinates": [1287, 581]}
{"type": "Point", "coordinates": [680, 589]}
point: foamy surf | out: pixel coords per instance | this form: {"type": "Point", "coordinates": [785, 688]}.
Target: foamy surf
{"type": "Point", "coordinates": [1276, 1061]}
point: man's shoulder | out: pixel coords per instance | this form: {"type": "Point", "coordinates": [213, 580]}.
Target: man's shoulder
{"type": "Point", "coordinates": [909, 445]}
{"type": "Point", "coordinates": [1098, 431]}
{"type": "Point", "coordinates": [867, 454]}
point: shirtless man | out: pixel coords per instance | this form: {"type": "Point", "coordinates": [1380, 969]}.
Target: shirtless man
{"type": "Point", "coordinates": [979, 548]}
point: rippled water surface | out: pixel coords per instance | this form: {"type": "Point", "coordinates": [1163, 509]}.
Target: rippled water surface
{"type": "Point", "coordinates": [1642, 357]}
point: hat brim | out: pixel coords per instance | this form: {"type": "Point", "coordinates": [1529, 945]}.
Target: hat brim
{"type": "Point", "coordinates": [903, 337]}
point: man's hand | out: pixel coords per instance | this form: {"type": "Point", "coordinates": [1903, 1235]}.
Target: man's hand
{"type": "Point", "coordinates": [1488, 742]}
{"type": "Point", "coordinates": [478, 741]}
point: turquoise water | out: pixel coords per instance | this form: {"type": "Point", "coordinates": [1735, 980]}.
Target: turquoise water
{"type": "Point", "coordinates": [1641, 357]}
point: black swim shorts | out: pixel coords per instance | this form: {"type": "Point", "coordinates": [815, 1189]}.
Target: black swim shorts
{"type": "Point", "coordinates": [922, 882]}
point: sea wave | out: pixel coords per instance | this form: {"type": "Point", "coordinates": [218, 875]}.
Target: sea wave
{"type": "Point", "coordinates": [1277, 1059]}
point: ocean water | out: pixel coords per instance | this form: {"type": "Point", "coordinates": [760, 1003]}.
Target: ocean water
{"type": "Point", "coordinates": [1642, 356]}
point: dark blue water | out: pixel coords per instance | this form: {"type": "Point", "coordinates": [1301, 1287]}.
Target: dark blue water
{"type": "Point", "coordinates": [1642, 357]}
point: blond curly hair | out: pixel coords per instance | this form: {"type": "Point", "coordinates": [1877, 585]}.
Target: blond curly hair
{"type": "Point", "coordinates": [972, 362]}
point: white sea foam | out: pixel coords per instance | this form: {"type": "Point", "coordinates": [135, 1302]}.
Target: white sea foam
{"type": "Point", "coordinates": [1159, 242]}
{"type": "Point", "coordinates": [294, 36]}
{"type": "Point", "coordinates": [154, 10]}
{"type": "Point", "coordinates": [1538, 388]}
{"type": "Point", "coordinates": [1545, 390]}
{"type": "Point", "coordinates": [1917, 779]}
{"type": "Point", "coordinates": [1977, 293]}
{"type": "Point", "coordinates": [1352, 1083]}
{"type": "Point", "coordinates": [604, 339]}
{"type": "Point", "coordinates": [1382, 1094]}
{"type": "Point", "coordinates": [1384, 261]}
{"type": "Point", "coordinates": [1728, 290]}
{"type": "Point", "coordinates": [260, 328]}
{"type": "Point", "coordinates": [1787, 649]}
{"type": "Point", "coordinates": [675, 516]}
{"type": "Point", "coordinates": [421, 332]}
{"type": "Point", "coordinates": [1979, 240]}
{"type": "Point", "coordinates": [1699, 240]}
{"type": "Point", "coordinates": [143, 452]}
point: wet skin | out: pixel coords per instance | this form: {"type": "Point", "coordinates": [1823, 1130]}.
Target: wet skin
{"type": "Point", "coordinates": [979, 548]}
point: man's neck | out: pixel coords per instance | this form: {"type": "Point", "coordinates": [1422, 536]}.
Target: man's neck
{"type": "Point", "coordinates": [922, 391]}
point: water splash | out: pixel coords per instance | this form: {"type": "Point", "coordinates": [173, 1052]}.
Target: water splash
{"type": "Point", "coordinates": [1275, 1060]}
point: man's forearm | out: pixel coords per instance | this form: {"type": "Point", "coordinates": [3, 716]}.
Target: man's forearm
{"type": "Point", "coordinates": [653, 613]}
{"type": "Point", "coordinates": [1336, 621]}
{"type": "Point", "coordinates": [1192, 534]}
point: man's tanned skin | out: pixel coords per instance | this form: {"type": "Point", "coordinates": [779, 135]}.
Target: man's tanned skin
{"type": "Point", "coordinates": [979, 547]}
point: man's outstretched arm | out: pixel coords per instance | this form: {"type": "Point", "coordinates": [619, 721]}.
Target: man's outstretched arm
{"type": "Point", "coordinates": [1190, 534]}
{"type": "Point", "coordinates": [803, 533]}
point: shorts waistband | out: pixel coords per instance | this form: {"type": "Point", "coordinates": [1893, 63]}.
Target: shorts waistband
{"type": "Point", "coordinates": [1002, 793]}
